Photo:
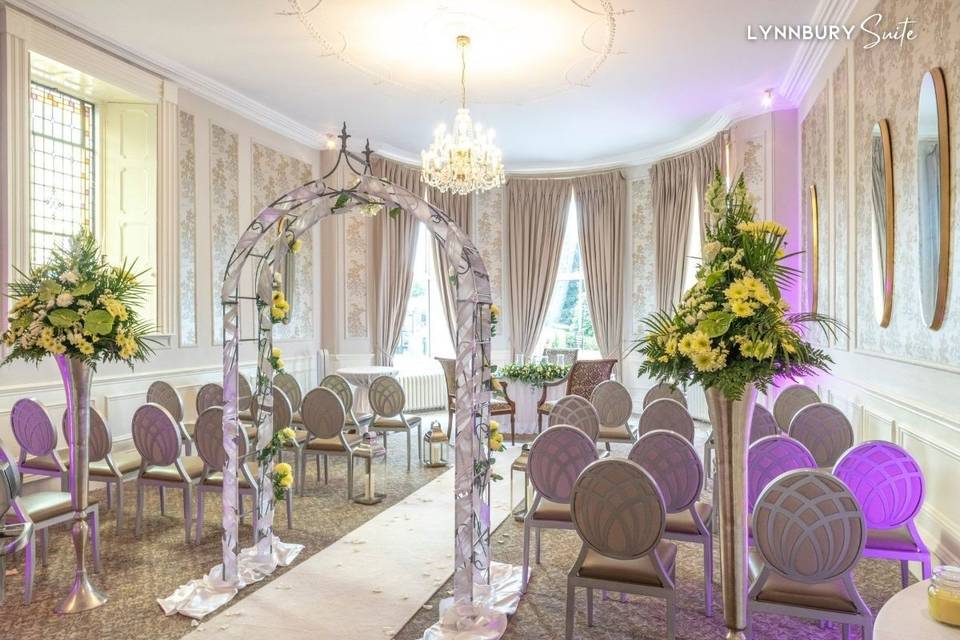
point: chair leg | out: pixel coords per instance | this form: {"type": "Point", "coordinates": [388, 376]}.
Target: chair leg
{"type": "Point", "coordinates": [119, 504]}
{"type": "Point", "coordinates": [326, 469]}
{"type": "Point", "coordinates": [671, 617]}
{"type": "Point", "coordinates": [109, 497]}
{"type": "Point", "coordinates": [139, 525]}
{"type": "Point", "coordinates": [867, 628]}
{"type": "Point", "coordinates": [537, 543]}
{"type": "Point", "coordinates": [539, 422]}
{"type": "Point", "coordinates": [526, 559]}
{"type": "Point", "coordinates": [200, 505]}
{"type": "Point", "coordinates": [349, 477]}
{"type": "Point", "coordinates": [420, 441]}
{"type": "Point", "coordinates": [302, 468]}
{"type": "Point", "coordinates": [43, 547]}
{"type": "Point", "coordinates": [926, 568]}
{"type": "Point", "coordinates": [708, 575]}
{"type": "Point", "coordinates": [607, 445]}
{"type": "Point", "coordinates": [95, 537]}
{"type": "Point", "coordinates": [187, 512]}
{"type": "Point", "coordinates": [904, 573]}
{"type": "Point", "coordinates": [408, 449]}
{"type": "Point", "coordinates": [163, 502]}
{"type": "Point", "coordinates": [513, 429]}
{"type": "Point", "coordinates": [845, 631]}
{"type": "Point", "coordinates": [589, 607]}
{"type": "Point", "coordinates": [29, 568]}
{"type": "Point", "coordinates": [571, 610]}
{"type": "Point", "coordinates": [289, 502]}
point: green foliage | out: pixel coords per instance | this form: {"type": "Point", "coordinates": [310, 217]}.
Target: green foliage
{"type": "Point", "coordinates": [532, 374]}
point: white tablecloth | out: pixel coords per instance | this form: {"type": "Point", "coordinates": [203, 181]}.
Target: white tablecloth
{"type": "Point", "coordinates": [907, 615]}
{"type": "Point", "coordinates": [527, 398]}
{"type": "Point", "coordinates": [361, 378]}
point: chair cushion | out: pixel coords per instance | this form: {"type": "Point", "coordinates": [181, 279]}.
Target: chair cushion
{"type": "Point", "coordinates": [546, 407]}
{"type": "Point", "coordinates": [124, 461]}
{"type": "Point", "coordinates": [621, 433]}
{"type": "Point", "coordinates": [639, 571]}
{"type": "Point", "coordinates": [245, 416]}
{"type": "Point", "coordinates": [216, 479]}
{"type": "Point", "coordinates": [683, 522]}
{"type": "Point", "coordinates": [393, 424]}
{"type": "Point", "coordinates": [193, 465]}
{"type": "Point", "coordinates": [44, 505]}
{"type": "Point", "coordinates": [360, 421]}
{"type": "Point", "coordinates": [46, 462]}
{"type": "Point", "coordinates": [334, 444]}
{"type": "Point", "coordinates": [829, 596]}
{"type": "Point", "coordinates": [898, 539]}
{"type": "Point", "coordinates": [500, 407]}
{"type": "Point", "coordinates": [556, 511]}
{"type": "Point", "coordinates": [297, 417]}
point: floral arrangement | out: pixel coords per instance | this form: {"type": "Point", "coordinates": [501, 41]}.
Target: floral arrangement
{"type": "Point", "coordinates": [732, 327]}
{"type": "Point", "coordinates": [282, 474]}
{"type": "Point", "coordinates": [494, 319]}
{"type": "Point", "coordinates": [279, 308]}
{"type": "Point", "coordinates": [533, 374]}
{"type": "Point", "coordinates": [275, 361]}
{"type": "Point", "coordinates": [77, 305]}
{"type": "Point", "coordinates": [495, 441]}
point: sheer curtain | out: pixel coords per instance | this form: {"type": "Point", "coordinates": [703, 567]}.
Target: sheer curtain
{"type": "Point", "coordinates": [458, 208]}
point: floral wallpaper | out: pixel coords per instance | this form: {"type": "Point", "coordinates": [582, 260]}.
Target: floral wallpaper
{"type": "Point", "coordinates": [489, 238]}
{"type": "Point", "coordinates": [754, 151]}
{"type": "Point", "coordinates": [887, 83]}
{"type": "Point", "coordinates": [273, 174]}
{"type": "Point", "coordinates": [187, 231]}
{"type": "Point", "coordinates": [356, 236]}
{"type": "Point", "coordinates": [841, 196]}
{"type": "Point", "coordinates": [224, 212]}
{"type": "Point", "coordinates": [644, 252]}
{"type": "Point", "coordinates": [815, 154]}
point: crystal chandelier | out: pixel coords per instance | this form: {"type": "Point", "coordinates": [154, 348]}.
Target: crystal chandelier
{"type": "Point", "coordinates": [464, 159]}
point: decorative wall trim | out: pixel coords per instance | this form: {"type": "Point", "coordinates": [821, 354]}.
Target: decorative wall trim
{"type": "Point", "coordinates": [168, 200]}
{"type": "Point", "coordinates": [812, 54]}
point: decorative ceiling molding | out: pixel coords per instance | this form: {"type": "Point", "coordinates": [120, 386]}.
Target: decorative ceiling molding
{"type": "Point", "coordinates": [810, 57]}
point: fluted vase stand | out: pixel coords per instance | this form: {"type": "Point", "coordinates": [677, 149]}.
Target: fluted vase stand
{"type": "Point", "coordinates": [731, 431]}
{"type": "Point", "coordinates": [77, 377]}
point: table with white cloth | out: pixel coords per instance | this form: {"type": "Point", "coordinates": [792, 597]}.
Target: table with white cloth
{"type": "Point", "coordinates": [527, 399]}
{"type": "Point", "coordinates": [361, 379]}
{"type": "Point", "coordinates": [907, 615]}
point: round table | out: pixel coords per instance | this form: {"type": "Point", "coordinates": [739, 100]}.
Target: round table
{"type": "Point", "coordinates": [906, 615]}
{"type": "Point", "coordinates": [360, 378]}
{"type": "Point", "coordinates": [527, 398]}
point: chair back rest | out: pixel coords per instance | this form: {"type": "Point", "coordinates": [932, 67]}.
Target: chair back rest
{"type": "Point", "coordinates": [613, 403]}
{"type": "Point", "coordinates": [101, 440]}
{"type": "Point", "coordinates": [824, 430]}
{"type": "Point", "coordinates": [617, 509]}
{"type": "Point", "coordinates": [561, 356]}
{"type": "Point", "coordinates": [165, 395]}
{"type": "Point", "coordinates": [244, 393]}
{"type": "Point", "coordinates": [674, 465]}
{"type": "Point", "coordinates": [322, 413]}
{"type": "Point", "coordinates": [556, 458]}
{"type": "Point", "coordinates": [576, 411]}
{"type": "Point", "coordinates": [282, 410]}
{"type": "Point", "coordinates": [32, 428]}
{"type": "Point", "coordinates": [209, 395]}
{"type": "Point", "coordinates": [156, 436]}
{"type": "Point", "coordinates": [664, 390]}
{"type": "Point", "coordinates": [339, 385]}
{"type": "Point", "coordinates": [791, 400]}
{"type": "Point", "coordinates": [289, 385]}
{"type": "Point", "coordinates": [209, 438]}
{"type": "Point", "coordinates": [808, 527]}
{"type": "Point", "coordinates": [770, 457]}
{"type": "Point", "coordinates": [666, 414]}
{"type": "Point", "coordinates": [585, 375]}
{"type": "Point", "coordinates": [387, 397]}
{"type": "Point", "coordinates": [763, 424]}
{"type": "Point", "coordinates": [886, 480]}
{"type": "Point", "coordinates": [449, 366]}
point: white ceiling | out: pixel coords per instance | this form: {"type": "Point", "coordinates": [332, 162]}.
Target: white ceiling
{"type": "Point", "coordinates": [677, 70]}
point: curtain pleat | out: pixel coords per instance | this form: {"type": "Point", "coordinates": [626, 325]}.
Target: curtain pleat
{"type": "Point", "coordinates": [458, 208]}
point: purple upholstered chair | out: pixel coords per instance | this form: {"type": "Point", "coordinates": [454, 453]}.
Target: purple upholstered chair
{"type": "Point", "coordinates": [576, 411]}
{"type": "Point", "coordinates": [666, 414]}
{"type": "Point", "coordinates": [824, 431]}
{"type": "Point", "coordinates": [37, 438]}
{"type": "Point", "coordinates": [888, 483]}
{"type": "Point", "coordinates": [809, 533]}
{"type": "Point", "coordinates": [770, 457]}
{"type": "Point", "coordinates": [674, 465]}
{"type": "Point", "coordinates": [556, 458]}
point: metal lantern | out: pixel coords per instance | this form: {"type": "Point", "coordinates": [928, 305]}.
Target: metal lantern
{"type": "Point", "coordinates": [435, 443]}
{"type": "Point", "coordinates": [520, 466]}
{"type": "Point", "coordinates": [370, 449]}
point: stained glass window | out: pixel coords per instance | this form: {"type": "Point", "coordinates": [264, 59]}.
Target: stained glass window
{"type": "Point", "coordinates": [62, 153]}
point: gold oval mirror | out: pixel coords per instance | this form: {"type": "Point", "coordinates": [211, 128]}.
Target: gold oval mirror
{"type": "Point", "coordinates": [882, 227]}
{"type": "Point", "coordinates": [814, 248]}
{"type": "Point", "coordinates": [933, 196]}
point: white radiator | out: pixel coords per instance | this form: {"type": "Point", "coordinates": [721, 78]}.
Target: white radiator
{"type": "Point", "coordinates": [697, 403]}
{"type": "Point", "coordinates": [424, 390]}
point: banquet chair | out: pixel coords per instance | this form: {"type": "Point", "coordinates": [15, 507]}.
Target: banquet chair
{"type": "Point", "coordinates": [323, 418]}
{"type": "Point", "coordinates": [556, 458]}
{"type": "Point", "coordinates": [611, 498]}
{"type": "Point", "coordinates": [666, 414]}
{"type": "Point", "coordinates": [165, 395]}
{"type": "Point", "coordinates": [159, 441]}
{"type": "Point", "coordinates": [282, 414]}
{"type": "Point", "coordinates": [664, 390]}
{"type": "Point", "coordinates": [34, 433]}
{"type": "Point", "coordinates": [244, 399]}
{"type": "Point", "coordinates": [583, 378]}
{"type": "Point", "coordinates": [790, 401]}
{"type": "Point", "coordinates": [344, 390]}
{"type": "Point", "coordinates": [209, 395]}
{"type": "Point", "coordinates": [809, 533]}
{"type": "Point", "coordinates": [577, 412]}
{"type": "Point", "coordinates": [105, 465]}
{"type": "Point", "coordinates": [289, 385]}
{"type": "Point", "coordinates": [40, 511]}
{"type": "Point", "coordinates": [770, 457]}
{"type": "Point", "coordinates": [614, 407]}
{"type": "Point", "coordinates": [210, 447]}
{"type": "Point", "coordinates": [673, 464]}
{"type": "Point", "coordinates": [561, 356]}
{"type": "Point", "coordinates": [824, 430]}
{"type": "Point", "coordinates": [762, 425]}
{"type": "Point", "coordinates": [888, 484]}
{"type": "Point", "coordinates": [500, 403]}
{"type": "Point", "coordinates": [387, 401]}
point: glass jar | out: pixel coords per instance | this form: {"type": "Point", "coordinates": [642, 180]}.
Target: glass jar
{"type": "Point", "coordinates": [944, 595]}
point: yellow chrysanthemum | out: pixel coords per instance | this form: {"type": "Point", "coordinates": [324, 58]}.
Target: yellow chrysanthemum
{"type": "Point", "coordinates": [709, 360]}
{"type": "Point", "coordinates": [494, 427]}
{"type": "Point", "coordinates": [700, 341]}
{"type": "Point", "coordinates": [282, 469]}
{"type": "Point", "coordinates": [686, 344]}
{"type": "Point", "coordinates": [275, 352]}
{"type": "Point", "coordinates": [295, 246]}
{"type": "Point", "coordinates": [288, 434]}
{"type": "Point", "coordinates": [737, 291]}
{"type": "Point", "coordinates": [741, 309]}
{"type": "Point", "coordinates": [671, 346]}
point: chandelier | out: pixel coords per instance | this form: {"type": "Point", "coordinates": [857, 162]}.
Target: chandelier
{"type": "Point", "coordinates": [464, 159]}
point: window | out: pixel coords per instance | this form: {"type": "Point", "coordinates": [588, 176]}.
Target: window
{"type": "Point", "coordinates": [694, 253]}
{"type": "Point", "coordinates": [424, 334]}
{"type": "Point", "coordinates": [62, 168]}
{"type": "Point", "coordinates": [568, 324]}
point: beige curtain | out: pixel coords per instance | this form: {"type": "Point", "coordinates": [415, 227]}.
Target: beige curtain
{"type": "Point", "coordinates": [395, 245]}
{"type": "Point", "coordinates": [536, 217]}
{"type": "Point", "coordinates": [458, 208]}
{"type": "Point", "coordinates": [601, 210]}
{"type": "Point", "coordinates": [672, 182]}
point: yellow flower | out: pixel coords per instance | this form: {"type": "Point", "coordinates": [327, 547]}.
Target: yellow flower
{"type": "Point", "coordinates": [277, 296]}
{"type": "Point", "coordinates": [282, 469]}
{"type": "Point", "coordinates": [494, 311]}
{"type": "Point", "coordinates": [494, 427]}
{"type": "Point", "coordinates": [275, 352]}
{"type": "Point", "coordinates": [280, 365]}
{"type": "Point", "coordinates": [789, 347]}
{"type": "Point", "coordinates": [686, 344]}
{"type": "Point", "coordinates": [738, 290]}
{"type": "Point", "coordinates": [741, 309]}
{"type": "Point", "coordinates": [664, 359]}
{"type": "Point", "coordinates": [85, 348]}
{"type": "Point", "coordinates": [296, 245]}
{"type": "Point", "coordinates": [671, 346]}
{"type": "Point", "coordinates": [700, 341]}
{"type": "Point", "coordinates": [779, 254]}
{"type": "Point", "coordinates": [286, 481]}
{"type": "Point", "coordinates": [288, 434]}
{"type": "Point", "coordinates": [709, 360]}
{"type": "Point", "coordinates": [496, 442]}
{"type": "Point", "coordinates": [762, 227]}
{"type": "Point", "coordinates": [763, 350]}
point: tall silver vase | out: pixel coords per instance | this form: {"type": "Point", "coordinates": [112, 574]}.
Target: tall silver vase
{"type": "Point", "coordinates": [77, 377]}
{"type": "Point", "coordinates": [731, 431]}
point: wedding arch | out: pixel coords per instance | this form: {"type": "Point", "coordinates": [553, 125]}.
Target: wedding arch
{"type": "Point", "coordinates": [261, 252]}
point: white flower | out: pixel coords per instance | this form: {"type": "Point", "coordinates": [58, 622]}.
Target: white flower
{"type": "Point", "coordinates": [711, 250]}
{"type": "Point", "coordinates": [64, 299]}
{"type": "Point", "coordinates": [277, 279]}
{"type": "Point", "coordinates": [69, 277]}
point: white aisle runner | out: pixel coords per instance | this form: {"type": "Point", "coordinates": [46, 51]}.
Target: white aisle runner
{"type": "Point", "coordinates": [368, 584]}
